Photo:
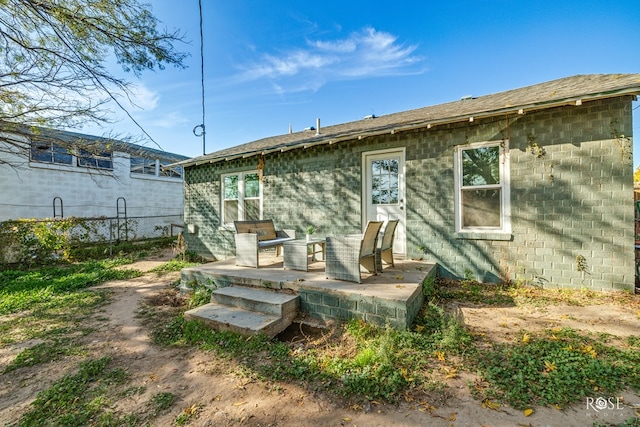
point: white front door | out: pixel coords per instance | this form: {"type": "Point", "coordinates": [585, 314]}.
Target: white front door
{"type": "Point", "coordinates": [383, 192]}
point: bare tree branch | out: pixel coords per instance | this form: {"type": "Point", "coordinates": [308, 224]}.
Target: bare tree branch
{"type": "Point", "coordinates": [54, 56]}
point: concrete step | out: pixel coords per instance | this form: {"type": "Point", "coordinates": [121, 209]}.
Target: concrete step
{"type": "Point", "coordinates": [247, 310]}
{"type": "Point", "coordinates": [236, 319]}
{"type": "Point", "coordinates": [255, 299]}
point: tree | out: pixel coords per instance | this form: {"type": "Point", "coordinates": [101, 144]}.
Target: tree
{"type": "Point", "coordinates": [54, 56]}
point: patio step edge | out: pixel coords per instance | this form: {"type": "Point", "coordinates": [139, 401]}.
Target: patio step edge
{"type": "Point", "coordinates": [256, 299]}
{"type": "Point", "coordinates": [236, 319]}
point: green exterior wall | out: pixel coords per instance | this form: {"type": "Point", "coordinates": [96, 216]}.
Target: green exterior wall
{"type": "Point", "coordinates": [572, 209]}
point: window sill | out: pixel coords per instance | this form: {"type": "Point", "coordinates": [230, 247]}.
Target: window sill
{"type": "Point", "coordinates": [483, 235]}
{"type": "Point", "coordinates": [70, 168]}
{"type": "Point", "coordinates": [155, 177]}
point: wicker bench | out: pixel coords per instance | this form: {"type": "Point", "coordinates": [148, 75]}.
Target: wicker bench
{"type": "Point", "coordinates": [251, 236]}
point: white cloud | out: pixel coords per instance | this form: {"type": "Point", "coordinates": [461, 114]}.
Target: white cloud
{"type": "Point", "coordinates": [363, 54]}
{"type": "Point", "coordinates": [143, 98]}
{"type": "Point", "coordinates": [169, 120]}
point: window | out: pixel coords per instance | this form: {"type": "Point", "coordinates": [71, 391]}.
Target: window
{"type": "Point", "coordinates": [241, 197]}
{"type": "Point", "coordinates": [174, 172]}
{"type": "Point", "coordinates": [482, 194]}
{"type": "Point", "coordinates": [100, 160]}
{"type": "Point", "coordinates": [146, 166]}
{"type": "Point", "coordinates": [143, 166]}
{"type": "Point", "coordinates": [384, 181]}
{"type": "Point", "coordinates": [49, 152]}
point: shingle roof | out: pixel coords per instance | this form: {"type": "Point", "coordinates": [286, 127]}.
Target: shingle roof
{"type": "Point", "coordinates": [563, 91]}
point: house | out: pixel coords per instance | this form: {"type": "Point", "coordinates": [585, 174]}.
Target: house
{"type": "Point", "coordinates": [532, 185]}
{"type": "Point", "coordinates": [46, 173]}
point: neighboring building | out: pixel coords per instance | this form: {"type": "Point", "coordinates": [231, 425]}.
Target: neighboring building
{"type": "Point", "coordinates": [46, 173]}
{"type": "Point", "coordinates": [533, 184]}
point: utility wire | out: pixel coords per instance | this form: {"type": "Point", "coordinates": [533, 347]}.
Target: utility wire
{"type": "Point", "coordinates": [202, 76]}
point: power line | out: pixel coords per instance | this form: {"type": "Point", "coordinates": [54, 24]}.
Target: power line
{"type": "Point", "coordinates": [202, 126]}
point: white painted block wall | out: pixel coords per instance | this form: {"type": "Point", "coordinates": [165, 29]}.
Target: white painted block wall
{"type": "Point", "coordinates": [28, 191]}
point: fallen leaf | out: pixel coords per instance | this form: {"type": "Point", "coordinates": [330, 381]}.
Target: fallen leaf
{"type": "Point", "coordinates": [240, 403]}
{"type": "Point", "coordinates": [346, 419]}
{"type": "Point", "coordinates": [587, 349]}
{"type": "Point", "coordinates": [440, 355]}
{"type": "Point", "coordinates": [452, 417]}
{"type": "Point", "coordinates": [491, 405]}
{"type": "Point", "coordinates": [525, 338]}
{"type": "Point", "coordinates": [528, 412]}
{"type": "Point", "coordinates": [451, 372]}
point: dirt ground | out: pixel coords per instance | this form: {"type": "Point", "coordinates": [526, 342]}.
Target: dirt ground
{"type": "Point", "coordinates": [225, 396]}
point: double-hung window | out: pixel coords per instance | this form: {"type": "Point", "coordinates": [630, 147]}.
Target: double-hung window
{"type": "Point", "coordinates": [241, 197]}
{"type": "Point", "coordinates": [482, 194]}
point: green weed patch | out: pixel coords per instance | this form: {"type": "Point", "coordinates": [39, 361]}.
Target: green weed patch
{"type": "Point", "coordinates": [80, 399]}
{"type": "Point", "coordinates": [54, 286]}
{"type": "Point", "coordinates": [556, 368]}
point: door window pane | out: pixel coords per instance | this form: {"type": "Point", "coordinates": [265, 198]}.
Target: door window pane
{"type": "Point", "coordinates": [384, 181]}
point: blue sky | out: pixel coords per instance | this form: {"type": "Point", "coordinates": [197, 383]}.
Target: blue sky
{"type": "Point", "coordinates": [272, 64]}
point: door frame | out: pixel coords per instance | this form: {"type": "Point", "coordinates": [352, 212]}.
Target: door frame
{"type": "Point", "coordinates": [401, 151]}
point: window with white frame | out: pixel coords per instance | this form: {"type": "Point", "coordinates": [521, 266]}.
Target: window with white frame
{"type": "Point", "coordinates": [241, 197]}
{"type": "Point", "coordinates": [482, 194]}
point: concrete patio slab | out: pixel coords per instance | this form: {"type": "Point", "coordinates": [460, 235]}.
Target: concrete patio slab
{"type": "Point", "coordinates": [393, 297]}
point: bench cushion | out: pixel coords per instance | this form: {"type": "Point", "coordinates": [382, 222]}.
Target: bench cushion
{"type": "Point", "coordinates": [275, 242]}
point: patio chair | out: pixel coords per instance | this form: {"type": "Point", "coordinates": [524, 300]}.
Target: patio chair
{"type": "Point", "coordinates": [346, 254]}
{"type": "Point", "coordinates": [384, 254]}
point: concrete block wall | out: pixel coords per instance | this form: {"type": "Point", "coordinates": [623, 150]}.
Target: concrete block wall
{"type": "Point", "coordinates": [317, 186]}
{"type": "Point", "coordinates": [571, 210]}
{"type": "Point", "coordinates": [377, 311]}
{"type": "Point", "coordinates": [574, 203]}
